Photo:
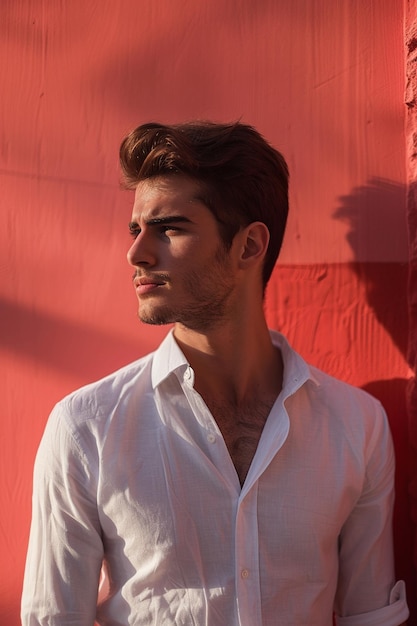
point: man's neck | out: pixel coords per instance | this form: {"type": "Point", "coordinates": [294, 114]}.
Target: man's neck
{"type": "Point", "coordinates": [233, 361]}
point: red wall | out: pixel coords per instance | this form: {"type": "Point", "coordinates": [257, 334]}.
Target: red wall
{"type": "Point", "coordinates": [322, 80]}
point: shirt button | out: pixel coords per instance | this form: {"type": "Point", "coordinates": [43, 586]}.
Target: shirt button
{"type": "Point", "coordinates": [244, 573]}
{"type": "Point", "coordinates": [211, 438]}
{"type": "Point", "coordinates": [187, 374]}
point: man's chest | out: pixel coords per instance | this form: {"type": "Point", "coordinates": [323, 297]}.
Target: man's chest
{"type": "Point", "coordinates": [241, 428]}
{"type": "Point", "coordinates": [164, 495]}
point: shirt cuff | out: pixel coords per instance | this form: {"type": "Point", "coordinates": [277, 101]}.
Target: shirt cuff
{"type": "Point", "coordinates": [392, 615]}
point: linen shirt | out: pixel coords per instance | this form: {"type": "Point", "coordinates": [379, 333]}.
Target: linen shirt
{"type": "Point", "coordinates": [133, 474]}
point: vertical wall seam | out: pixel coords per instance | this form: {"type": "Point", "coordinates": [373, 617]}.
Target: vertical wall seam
{"type": "Point", "coordinates": [411, 170]}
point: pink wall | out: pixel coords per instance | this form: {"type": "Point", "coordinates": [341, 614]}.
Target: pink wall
{"type": "Point", "coordinates": [322, 80]}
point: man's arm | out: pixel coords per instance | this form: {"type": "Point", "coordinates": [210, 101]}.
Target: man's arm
{"type": "Point", "coordinates": [366, 593]}
{"type": "Point", "coordinates": [65, 549]}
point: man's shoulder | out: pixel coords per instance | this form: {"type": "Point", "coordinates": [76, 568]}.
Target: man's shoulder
{"type": "Point", "coordinates": [347, 408]}
{"type": "Point", "coordinates": [105, 394]}
{"type": "Point", "coordinates": [328, 388]}
{"type": "Point", "coordinates": [335, 389]}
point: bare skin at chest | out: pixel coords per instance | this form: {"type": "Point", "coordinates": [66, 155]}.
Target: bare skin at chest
{"type": "Point", "coordinates": [241, 426]}
{"type": "Point", "coordinates": [239, 390]}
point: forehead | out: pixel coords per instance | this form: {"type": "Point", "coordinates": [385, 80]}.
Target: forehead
{"type": "Point", "coordinates": [161, 196]}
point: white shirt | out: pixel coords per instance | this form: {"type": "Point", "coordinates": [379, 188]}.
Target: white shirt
{"type": "Point", "coordinates": [133, 471]}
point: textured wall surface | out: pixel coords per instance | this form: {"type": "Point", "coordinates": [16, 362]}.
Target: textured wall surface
{"type": "Point", "coordinates": [411, 160]}
{"type": "Point", "coordinates": [323, 80]}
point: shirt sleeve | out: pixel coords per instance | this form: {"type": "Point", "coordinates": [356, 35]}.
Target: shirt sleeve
{"type": "Point", "coordinates": [65, 548]}
{"type": "Point", "coordinates": [367, 594]}
{"type": "Point", "coordinates": [395, 613]}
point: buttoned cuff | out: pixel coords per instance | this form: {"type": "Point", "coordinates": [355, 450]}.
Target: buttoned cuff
{"type": "Point", "coordinates": [392, 615]}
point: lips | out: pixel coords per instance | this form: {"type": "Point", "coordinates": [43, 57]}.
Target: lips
{"type": "Point", "coordinates": [146, 284]}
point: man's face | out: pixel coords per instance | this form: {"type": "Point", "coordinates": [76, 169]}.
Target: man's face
{"type": "Point", "coordinates": [183, 271]}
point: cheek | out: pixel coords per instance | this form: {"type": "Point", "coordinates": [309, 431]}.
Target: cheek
{"type": "Point", "coordinates": [190, 251]}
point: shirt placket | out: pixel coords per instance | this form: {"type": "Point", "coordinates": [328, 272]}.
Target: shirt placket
{"type": "Point", "coordinates": [214, 444]}
{"type": "Point", "coordinates": [247, 566]}
{"type": "Point", "coordinates": [248, 595]}
{"type": "Point", "coordinates": [246, 539]}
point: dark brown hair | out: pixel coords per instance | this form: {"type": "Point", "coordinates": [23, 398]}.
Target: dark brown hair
{"type": "Point", "coordinates": [243, 178]}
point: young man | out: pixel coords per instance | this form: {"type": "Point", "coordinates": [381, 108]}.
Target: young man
{"type": "Point", "coordinates": [219, 481]}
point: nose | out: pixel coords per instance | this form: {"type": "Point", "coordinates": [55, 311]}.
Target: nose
{"type": "Point", "coordinates": [141, 252]}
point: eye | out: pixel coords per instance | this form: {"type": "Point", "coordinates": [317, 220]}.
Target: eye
{"type": "Point", "coordinates": [169, 230]}
{"type": "Point", "coordinates": [134, 231]}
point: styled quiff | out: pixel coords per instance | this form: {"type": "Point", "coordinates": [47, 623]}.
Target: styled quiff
{"type": "Point", "coordinates": [242, 177]}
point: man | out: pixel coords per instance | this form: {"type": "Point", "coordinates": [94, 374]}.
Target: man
{"type": "Point", "coordinates": [219, 481]}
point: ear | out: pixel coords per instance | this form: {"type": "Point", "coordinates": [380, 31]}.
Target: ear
{"type": "Point", "coordinates": [254, 240]}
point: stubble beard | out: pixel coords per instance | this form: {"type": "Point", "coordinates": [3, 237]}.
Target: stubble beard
{"type": "Point", "coordinates": [206, 296]}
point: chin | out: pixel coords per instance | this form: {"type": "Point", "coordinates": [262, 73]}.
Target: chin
{"type": "Point", "coordinates": [156, 318]}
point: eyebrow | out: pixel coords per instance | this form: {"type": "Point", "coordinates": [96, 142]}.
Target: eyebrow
{"type": "Point", "coordinates": [169, 219]}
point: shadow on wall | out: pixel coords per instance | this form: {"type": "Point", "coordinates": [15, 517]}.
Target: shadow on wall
{"type": "Point", "coordinates": [377, 227]}
{"type": "Point", "coordinates": [79, 350]}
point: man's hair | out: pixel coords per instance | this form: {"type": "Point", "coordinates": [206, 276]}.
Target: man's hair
{"type": "Point", "coordinates": [242, 177]}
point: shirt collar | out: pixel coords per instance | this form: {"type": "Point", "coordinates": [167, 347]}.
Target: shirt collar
{"type": "Point", "coordinates": [296, 370]}
{"type": "Point", "coordinates": [169, 358]}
